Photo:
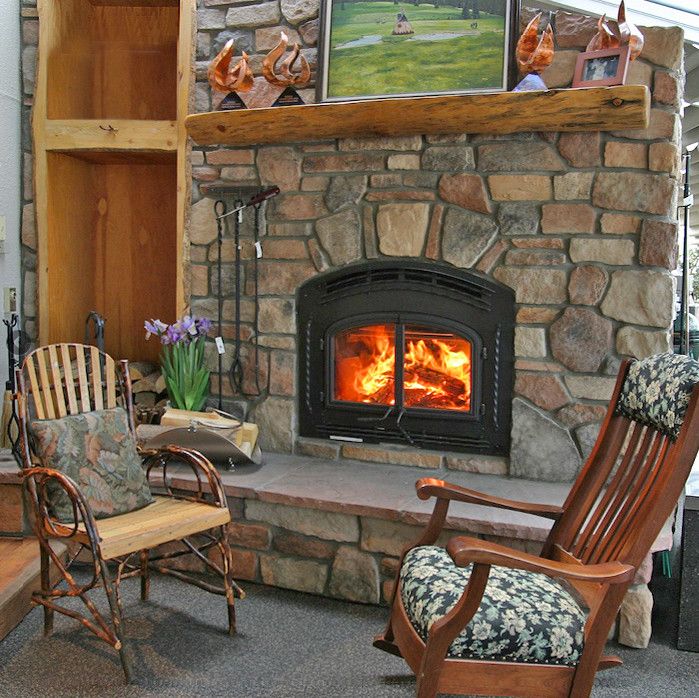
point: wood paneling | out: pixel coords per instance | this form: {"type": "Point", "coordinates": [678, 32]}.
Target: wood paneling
{"type": "Point", "coordinates": [112, 247]}
{"type": "Point", "coordinates": [591, 109]}
{"type": "Point", "coordinates": [114, 61]}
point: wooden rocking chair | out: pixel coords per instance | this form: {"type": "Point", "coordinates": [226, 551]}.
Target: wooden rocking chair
{"type": "Point", "coordinates": [60, 382]}
{"type": "Point", "coordinates": [480, 618]}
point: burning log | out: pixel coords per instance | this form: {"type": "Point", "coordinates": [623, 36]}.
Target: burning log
{"type": "Point", "coordinates": [431, 378]}
{"type": "Point", "coordinates": [384, 396]}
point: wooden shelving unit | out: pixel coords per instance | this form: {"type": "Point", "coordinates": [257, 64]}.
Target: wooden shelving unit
{"type": "Point", "coordinates": [590, 109]}
{"type": "Point", "coordinates": [111, 170]}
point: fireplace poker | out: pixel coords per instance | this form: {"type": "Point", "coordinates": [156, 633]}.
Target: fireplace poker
{"type": "Point", "coordinates": [221, 211]}
{"type": "Point", "coordinates": [235, 372]}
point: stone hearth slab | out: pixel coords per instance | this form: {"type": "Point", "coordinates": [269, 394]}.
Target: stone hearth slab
{"type": "Point", "coordinates": [385, 492]}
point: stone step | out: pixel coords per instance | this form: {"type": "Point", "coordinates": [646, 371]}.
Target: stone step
{"type": "Point", "coordinates": [13, 521]}
{"type": "Point", "coordinates": [20, 571]}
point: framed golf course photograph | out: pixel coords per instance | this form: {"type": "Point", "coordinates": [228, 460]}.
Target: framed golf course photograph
{"type": "Point", "coordinates": [379, 48]}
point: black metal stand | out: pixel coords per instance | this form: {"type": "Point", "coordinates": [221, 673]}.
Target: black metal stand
{"type": "Point", "coordinates": [13, 422]}
{"type": "Point", "coordinates": [684, 299]}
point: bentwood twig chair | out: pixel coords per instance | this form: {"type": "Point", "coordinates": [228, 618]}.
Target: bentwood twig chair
{"type": "Point", "coordinates": [480, 618]}
{"type": "Point", "coordinates": [65, 390]}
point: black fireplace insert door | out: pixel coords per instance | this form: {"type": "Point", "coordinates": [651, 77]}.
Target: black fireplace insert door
{"type": "Point", "coordinates": [409, 352]}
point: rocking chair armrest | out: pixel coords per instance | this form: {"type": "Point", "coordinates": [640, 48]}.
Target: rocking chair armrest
{"type": "Point", "coordinates": [465, 550]}
{"type": "Point", "coordinates": [431, 487]}
{"type": "Point", "coordinates": [160, 458]}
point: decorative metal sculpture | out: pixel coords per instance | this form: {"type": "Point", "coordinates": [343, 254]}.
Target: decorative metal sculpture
{"type": "Point", "coordinates": [236, 87]}
{"type": "Point", "coordinates": [611, 34]}
{"type": "Point", "coordinates": [230, 81]}
{"type": "Point", "coordinates": [534, 54]}
{"type": "Point", "coordinates": [286, 77]}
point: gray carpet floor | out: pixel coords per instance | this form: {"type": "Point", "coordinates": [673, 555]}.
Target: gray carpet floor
{"type": "Point", "coordinates": [289, 645]}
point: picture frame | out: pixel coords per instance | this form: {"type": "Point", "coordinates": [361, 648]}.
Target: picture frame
{"type": "Point", "coordinates": [373, 49]}
{"type": "Point", "coordinates": [601, 68]}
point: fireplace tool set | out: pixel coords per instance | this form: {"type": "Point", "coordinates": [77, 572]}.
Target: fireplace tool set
{"type": "Point", "coordinates": [235, 372]}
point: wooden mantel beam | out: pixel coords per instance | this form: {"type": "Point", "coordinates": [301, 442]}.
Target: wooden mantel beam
{"type": "Point", "coordinates": [587, 109]}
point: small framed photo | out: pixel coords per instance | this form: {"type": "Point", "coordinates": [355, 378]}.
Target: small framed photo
{"type": "Point", "coordinates": [371, 49]}
{"type": "Point", "coordinates": [600, 68]}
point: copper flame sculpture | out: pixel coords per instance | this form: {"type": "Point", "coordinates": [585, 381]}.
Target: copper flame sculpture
{"type": "Point", "coordinates": [611, 34]}
{"type": "Point", "coordinates": [534, 54]}
{"type": "Point", "coordinates": [286, 75]}
{"type": "Point", "coordinates": [223, 78]}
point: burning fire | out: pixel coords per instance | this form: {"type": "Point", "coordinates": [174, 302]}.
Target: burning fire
{"type": "Point", "coordinates": [436, 368]}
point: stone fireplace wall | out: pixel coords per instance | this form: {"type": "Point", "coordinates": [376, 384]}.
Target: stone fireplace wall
{"type": "Point", "coordinates": [581, 225]}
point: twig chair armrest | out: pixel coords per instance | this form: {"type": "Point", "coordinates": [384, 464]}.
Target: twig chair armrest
{"type": "Point", "coordinates": [156, 462]}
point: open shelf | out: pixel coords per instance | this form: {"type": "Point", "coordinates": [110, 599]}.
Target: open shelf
{"type": "Point", "coordinates": [110, 167]}
{"type": "Point", "coordinates": [111, 59]}
{"type": "Point", "coordinates": [114, 253]}
{"type": "Point", "coordinates": [588, 109]}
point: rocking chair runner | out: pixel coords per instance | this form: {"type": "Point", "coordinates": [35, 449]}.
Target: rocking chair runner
{"type": "Point", "coordinates": [199, 522]}
{"type": "Point", "coordinates": [480, 618]}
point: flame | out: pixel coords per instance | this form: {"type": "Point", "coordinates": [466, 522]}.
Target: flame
{"type": "Point", "coordinates": [436, 368]}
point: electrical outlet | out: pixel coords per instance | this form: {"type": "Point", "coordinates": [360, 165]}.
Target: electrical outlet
{"type": "Point", "coordinates": [10, 299]}
{"type": "Point", "coordinates": [3, 234]}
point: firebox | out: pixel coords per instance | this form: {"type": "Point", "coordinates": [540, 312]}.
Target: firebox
{"type": "Point", "coordinates": [407, 351]}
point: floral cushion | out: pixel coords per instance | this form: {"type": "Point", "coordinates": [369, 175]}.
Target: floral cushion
{"type": "Point", "coordinates": [95, 449]}
{"type": "Point", "coordinates": [656, 391]}
{"type": "Point", "coordinates": [523, 617]}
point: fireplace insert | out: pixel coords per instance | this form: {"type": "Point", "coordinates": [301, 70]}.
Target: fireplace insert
{"type": "Point", "coordinates": [406, 351]}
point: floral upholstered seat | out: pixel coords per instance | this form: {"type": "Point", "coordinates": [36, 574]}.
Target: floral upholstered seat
{"type": "Point", "coordinates": [523, 617]}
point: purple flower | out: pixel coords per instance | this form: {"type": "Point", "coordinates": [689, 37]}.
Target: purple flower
{"type": "Point", "coordinates": [187, 325]}
{"type": "Point", "coordinates": [155, 327]}
{"type": "Point", "coordinates": [174, 334]}
{"type": "Point", "coordinates": [203, 325]}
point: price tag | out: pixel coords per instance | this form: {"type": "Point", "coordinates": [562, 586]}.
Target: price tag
{"type": "Point", "coordinates": [219, 345]}
{"type": "Point", "coordinates": [258, 250]}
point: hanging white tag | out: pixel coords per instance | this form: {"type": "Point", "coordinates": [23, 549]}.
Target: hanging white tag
{"type": "Point", "coordinates": [258, 250]}
{"type": "Point", "coordinates": [220, 346]}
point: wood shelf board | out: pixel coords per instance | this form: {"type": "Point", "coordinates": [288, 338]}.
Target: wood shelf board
{"type": "Point", "coordinates": [121, 157]}
{"type": "Point", "coordinates": [110, 134]}
{"type": "Point", "coordinates": [588, 109]}
{"type": "Point", "coordinates": [135, 3]}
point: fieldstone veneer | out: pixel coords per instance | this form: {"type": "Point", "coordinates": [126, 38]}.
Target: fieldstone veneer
{"type": "Point", "coordinates": [580, 225]}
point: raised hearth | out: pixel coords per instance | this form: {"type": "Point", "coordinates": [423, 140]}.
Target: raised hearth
{"type": "Point", "coordinates": [412, 352]}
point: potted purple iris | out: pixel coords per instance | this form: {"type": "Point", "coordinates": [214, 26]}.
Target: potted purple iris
{"type": "Point", "coordinates": [182, 360]}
